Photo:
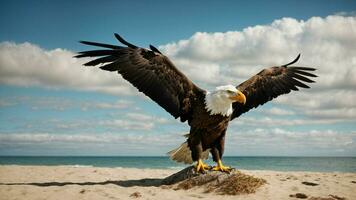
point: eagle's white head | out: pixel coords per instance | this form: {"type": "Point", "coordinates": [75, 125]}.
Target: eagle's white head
{"type": "Point", "coordinates": [220, 100]}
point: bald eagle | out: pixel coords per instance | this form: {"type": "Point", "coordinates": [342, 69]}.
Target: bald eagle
{"type": "Point", "coordinates": [208, 113]}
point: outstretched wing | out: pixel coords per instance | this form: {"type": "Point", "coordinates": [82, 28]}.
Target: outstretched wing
{"type": "Point", "coordinates": [149, 71]}
{"type": "Point", "coordinates": [270, 83]}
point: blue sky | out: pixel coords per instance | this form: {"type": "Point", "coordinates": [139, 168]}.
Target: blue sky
{"type": "Point", "coordinates": [59, 24]}
{"type": "Point", "coordinates": [50, 105]}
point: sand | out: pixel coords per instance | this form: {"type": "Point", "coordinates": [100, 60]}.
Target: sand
{"type": "Point", "coordinates": [74, 182]}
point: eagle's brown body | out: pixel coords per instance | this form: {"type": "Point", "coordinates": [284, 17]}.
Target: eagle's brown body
{"type": "Point", "coordinates": [156, 76]}
{"type": "Point", "coordinates": [206, 131]}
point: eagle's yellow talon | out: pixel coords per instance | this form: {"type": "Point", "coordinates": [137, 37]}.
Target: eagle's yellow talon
{"type": "Point", "coordinates": [221, 167]}
{"type": "Point", "coordinates": [201, 167]}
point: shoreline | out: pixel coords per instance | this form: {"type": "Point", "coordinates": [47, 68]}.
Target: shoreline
{"type": "Point", "coordinates": [318, 164]}
{"type": "Point", "coordinates": [168, 168]}
{"type": "Point", "coordinates": [86, 182]}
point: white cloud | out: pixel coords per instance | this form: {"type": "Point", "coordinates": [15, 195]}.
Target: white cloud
{"type": "Point", "coordinates": [213, 59]}
{"type": "Point", "coordinates": [127, 124]}
{"type": "Point", "coordinates": [333, 98]}
{"type": "Point", "coordinates": [325, 43]}
{"type": "Point", "coordinates": [277, 111]}
{"type": "Point", "coordinates": [323, 138]}
{"type": "Point", "coordinates": [342, 114]}
{"type": "Point", "coordinates": [5, 103]}
{"type": "Point", "coordinates": [45, 137]}
{"type": "Point", "coordinates": [335, 104]}
{"type": "Point", "coordinates": [61, 104]}
{"type": "Point", "coordinates": [343, 13]}
{"type": "Point", "coordinates": [254, 142]}
{"type": "Point", "coordinates": [135, 121]}
{"type": "Point", "coordinates": [278, 122]}
{"type": "Point", "coordinates": [87, 144]}
{"type": "Point", "coordinates": [146, 118]}
{"type": "Point", "coordinates": [282, 142]}
{"type": "Point", "coordinates": [137, 138]}
{"type": "Point", "coordinates": [28, 65]}
{"type": "Point", "coordinates": [122, 125]}
{"type": "Point", "coordinates": [120, 104]}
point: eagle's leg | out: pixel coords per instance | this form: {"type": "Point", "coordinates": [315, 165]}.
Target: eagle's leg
{"type": "Point", "coordinates": [217, 152]}
{"type": "Point", "coordinates": [197, 150]}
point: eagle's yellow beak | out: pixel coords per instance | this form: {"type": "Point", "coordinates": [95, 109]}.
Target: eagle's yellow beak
{"type": "Point", "coordinates": [239, 97]}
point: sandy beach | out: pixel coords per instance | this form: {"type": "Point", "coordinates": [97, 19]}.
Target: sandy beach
{"type": "Point", "coordinates": [75, 182]}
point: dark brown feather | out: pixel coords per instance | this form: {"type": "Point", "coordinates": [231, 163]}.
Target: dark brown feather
{"type": "Point", "coordinates": [303, 73]}
{"type": "Point", "coordinates": [118, 37]}
{"type": "Point", "coordinates": [150, 72]}
{"type": "Point", "coordinates": [304, 68]}
{"type": "Point", "coordinates": [270, 83]}
{"type": "Point", "coordinates": [106, 59]}
{"type": "Point", "coordinates": [155, 49]}
{"type": "Point", "coordinates": [95, 53]}
{"type": "Point", "coordinates": [100, 45]}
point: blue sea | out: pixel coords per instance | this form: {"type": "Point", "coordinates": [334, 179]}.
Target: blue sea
{"type": "Point", "coordinates": [316, 164]}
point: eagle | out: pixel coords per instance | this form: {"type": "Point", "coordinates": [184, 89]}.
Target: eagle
{"type": "Point", "coordinates": [208, 113]}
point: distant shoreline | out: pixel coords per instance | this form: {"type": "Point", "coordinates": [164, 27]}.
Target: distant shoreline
{"type": "Point", "coordinates": [312, 164]}
{"type": "Point", "coordinates": [164, 156]}
{"type": "Point", "coordinates": [174, 169]}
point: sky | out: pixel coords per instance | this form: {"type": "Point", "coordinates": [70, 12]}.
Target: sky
{"type": "Point", "coordinates": [51, 105]}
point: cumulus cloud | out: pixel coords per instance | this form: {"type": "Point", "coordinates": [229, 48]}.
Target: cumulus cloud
{"type": "Point", "coordinates": [212, 59]}
{"type": "Point", "coordinates": [343, 13]}
{"type": "Point", "coordinates": [337, 104]}
{"type": "Point", "coordinates": [127, 124]}
{"type": "Point", "coordinates": [146, 118]}
{"type": "Point", "coordinates": [61, 104]}
{"type": "Point", "coordinates": [253, 142]}
{"type": "Point", "coordinates": [325, 43]}
{"type": "Point", "coordinates": [135, 121]}
{"type": "Point", "coordinates": [278, 141]}
{"type": "Point", "coordinates": [80, 138]}
{"type": "Point", "coordinates": [4, 103]}
{"type": "Point", "coordinates": [277, 111]}
{"type": "Point", "coordinates": [28, 65]}
{"type": "Point", "coordinates": [117, 105]}
{"type": "Point", "coordinates": [86, 144]}
{"type": "Point", "coordinates": [342, 98]}
{"type": "Point", "coordinates": [114, 125]}
{"type": "Point", "coordinates": [277, 122]}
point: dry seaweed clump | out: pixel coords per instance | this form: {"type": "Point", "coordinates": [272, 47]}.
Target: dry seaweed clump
{"type": "Point", "coordinates": [240, 183]}
{"type": "Point", "coordinates": [235, 183]}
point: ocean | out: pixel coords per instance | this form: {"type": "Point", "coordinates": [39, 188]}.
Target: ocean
{"type": "Point", "coordinates": [314, 164]}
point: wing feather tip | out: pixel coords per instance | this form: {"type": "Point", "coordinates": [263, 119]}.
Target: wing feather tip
{"type": "Point", "coordinates": [155, 49]}
{"type": "Point", "coordinates": [123, 41]}
{"type": "Point", "coordinates": [303, 68]}
{"type": "Point", "coordinates": [85, 42]}
{"type": "Point", "coordinates": [294, 61]}
{"type": "Point", "coordinates": [304, 73]}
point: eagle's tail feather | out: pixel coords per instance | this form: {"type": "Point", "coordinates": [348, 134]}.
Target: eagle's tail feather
{"type": "Point", "coordinates": [183, 154]}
